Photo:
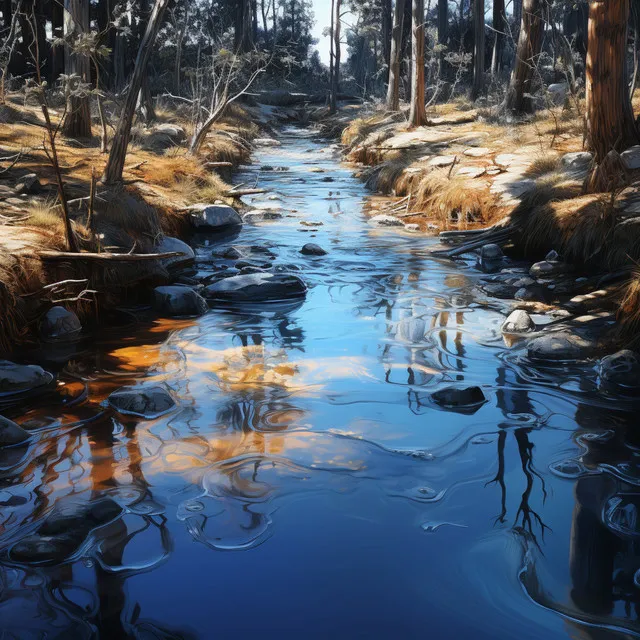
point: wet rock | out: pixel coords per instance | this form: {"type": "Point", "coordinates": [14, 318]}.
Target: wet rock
{"type": "Point", "coordinates": [59, 324]}
{"type": "Point", "coordinates": [459, 399]}
{"type": "Point", "coordinates": [529, 294]}
{"type": "Point", "coordinates": [383, 220]}
{"type": "Point", "coordinates": [552, 256]}
{"type": "Point", "coordinates": [179, 301]}
{"type": "Point", "coordinates": [519, 321]}
{"type": "Point", "coordinates": [217, 217]}
{"type": "Point", "coordinates": [258, 287]}
{"type": "Point", "coordinates": [233, 253]}
{"type": "Point", "coordinates": [631, 157]}
{"type": "Point", "coordinates": [560, 346]}
{"type": "Point", "coordinates": [64, 531]}
{"type": "Point", "coordinates": [21, 378]}
{"type": "Point", "coordinates": [327, 179]}
{"type": "Point", "coordinates": [266, 142]}
{"type": "Point", "coordinates": [312, 249]}
{"type": "Point", "coordinates": [549, 269]}
{"type": "Point", "coordinates": [251, 269]}
{"type": "Point", "coordinates": [243, 264]}
{"type": "Point", "coordinates": [500, 290]}
{"type": "Point", "coordinates": [145, 402]}
{"type": "Point", "coordinates": [621, 369]}
{"type": "Point", "coordinates": [29, 184]}
{"type": "Point", "coordinates": [261, 215]}
{"type": "Point", "coordinates": [174, 245]}
{"type": "Point", "coordinates": [525, 281]}
{"type": "Point", "coordinates": [491, 257]}
{"type": "Point", "coordinates": [11, 433]}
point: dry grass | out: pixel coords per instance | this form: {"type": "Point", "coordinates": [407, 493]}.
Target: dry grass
{"type": "Point", "coordinates": [629, 312]}
{"type": "Point", "coordinates": [543, 164]}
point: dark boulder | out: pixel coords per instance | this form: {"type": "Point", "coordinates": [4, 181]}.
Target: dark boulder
{"type": "Point", "coordinates": [256, 287]}
{"type": "Point", "coordinates": [146, 402]}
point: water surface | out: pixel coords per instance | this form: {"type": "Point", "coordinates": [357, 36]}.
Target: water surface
{"type": "Point", "coordinates": [308, 486]}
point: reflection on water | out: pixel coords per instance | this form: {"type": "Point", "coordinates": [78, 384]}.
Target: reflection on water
{"type": "Point", "coordinates": [307, 485]}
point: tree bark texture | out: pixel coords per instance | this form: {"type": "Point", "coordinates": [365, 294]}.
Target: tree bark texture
{"type": "Point", "coordinates": [478, 51]}
{"type": "Point", "coordinates": [417, 114]}
{"type": "Point", "coordinates": [499, 26]}
{"type": "Point", "coordinates": [335, 78]}
{"type": "Point", "coordinates": [393, 89]}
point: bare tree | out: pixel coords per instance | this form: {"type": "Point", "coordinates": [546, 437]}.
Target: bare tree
{"type": "Point", "coordinates": [115, 164]}
{"type": "Point", "coordinates": [335, 77]}
{"type": "Point", "coordinates": [499, 26]}
{"type": "Point", "coordinates": [529, 47]}
{"type": "Point", "coordinates": [478, 52]}
{"type": "Point", "coordinates": [417, 113]}
{"type": "Point", "coordinates": [393, 90]}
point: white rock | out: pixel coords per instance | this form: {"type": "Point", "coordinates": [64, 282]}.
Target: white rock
{"type": "Point", "coordinates": [519, 321]}
{"type": "Point", "coordinates": [442, 161]}
{"type": "Point", "coordinates": [477, 152]}
{"type": "Point", "coordinates": [383, 220]}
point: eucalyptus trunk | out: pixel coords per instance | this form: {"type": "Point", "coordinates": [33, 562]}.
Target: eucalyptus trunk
{"type": "Point", "coordinates": [393, 90]}
{"type": "Point", "coordinates": [417, 113]}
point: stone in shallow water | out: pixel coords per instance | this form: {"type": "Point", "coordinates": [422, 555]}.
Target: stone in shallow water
{"type": "Point", "coordinates": [233, 253]}
{"type": "Point", "coordinates": [64, 531]}
{"type": "Point", "coordinates": [179, 301]}
{"type": "Point", "coordinates": [622, 515]}
{"type": "Point", "coordinates": [560, 346]}
{"type": "Point", "coordinates": [519, 321]}
{"type": "Point", "coordinates": [59, 324]}
{"type": "Point", "coordinates": [312, 249]}
{"type": "Point", "coordinates": [548, 269]}
{"type": "Point", "coordinates": [217, 217]}
{"type": "Point", "coordinates": [144, 402]}
{"type": "Point", "coordinates": [460, 399]}
{"type": "Point", "coordinates": [20, 378]}
{"type": "Point", "coordinates": [174, 245]}
{"type": "Point", "coordinates": [491, 252]}
{"type": "Point", "coordinates": [11, 433]}
{"type": "Point", "coordinates": [261, 215]}
{"type": "Point", "coordinates": [383, 220]}
{"type": "Point", "coordinates": [257, 287]}
{"type": "Point", "coordinates": [621, 369]}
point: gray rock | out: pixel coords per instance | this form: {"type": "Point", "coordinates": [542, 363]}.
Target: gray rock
{"type": "Point", "coordinates": [500, 290]}
{"type": "Point", "coordinates": [216, 217]}
{"type": "Point", "coordinates": [558, 93]}
{"type": "Point", "coordinates": [523, 282]}
{"type": "Point", "coordinates": [233, 253]}
{"type": "Point", "coordinates": [59, 324]}
{"type": "Point", "coordinates": [312, 249]}
{"type": "Point", "coordinates": [621, 369]}
{"type": "Point", "coordinates": [20, 378]}
{"type": "Point", "coordinates": [459, 399]}
{"type": "Point", "coordinates": [11, 433]}
{"type": "Point", "coordinates": [578, 161]}
{"type": "Point", "coordinates": [257, 287]}
{"type": "Point", "coordinates": [631, 157]}
{"type": "Point", "coordinates": [383, 220]}
{"type": "Point", "coordinates": [528, 294]}
{"type": "Point", "coordinates": [491, 252]}
{"type": "Point", "coordinates": [145, 402]}
{"type": "Point", "coordinates": [174, 132]}
{"type": "Point", "coordinates": [174, 245]}
{"type": "Point", "coordinates": [560, 346]}
{"type": "Point", "coordinates": [29, 184]}
{"type": "Point", "coordinates": [549, 269]}
{"type": "Point", "coordinates": [412, 227]}
{"type": "Point", "coordinates": [552, 256]}
{"type": "Point", "coordinates": [261, 215]}
{"type": "Point", "coordinates": [519, 321]}
{"type": "Point", "coordinates": [258, 264]}
{"type": "Point", "coordinates": [179, 301]}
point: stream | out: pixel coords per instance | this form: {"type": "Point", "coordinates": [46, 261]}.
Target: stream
{"type": "Point", "coordinates": [308, 485]}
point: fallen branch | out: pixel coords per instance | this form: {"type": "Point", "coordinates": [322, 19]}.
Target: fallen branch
{"type": "Point", "coordinates": [105, 257]}
{"type": "Point", "coordinates": [215, 165]}
{"type": "Point", "coordinates": [238, 193]}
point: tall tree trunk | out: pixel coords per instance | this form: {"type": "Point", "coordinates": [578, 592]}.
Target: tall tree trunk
{"type": "Point", "coordinates": [499, 26]}
{"type": "Point", "coordinates": [478, 51]}
{"type": "Point", "coordinates": [144, 105]}
{"type": "Point", "coordinates": [443, 30]}
{"type": "Point", "coordinates": [527, 54]}
{"type": "Point", "coordinates": [417, 114]}
{"type": "Point", "coordinates": [57, 30]}
{"type": "Point", "coordinates": [609, 117]}
{"type": "Point", "coordinates": [119, 55]}
{"type": "Point", "coordinates": [393, 90]}
{"type": "Point", "coordinates": [517, 18]}
{"type": "Point", "coordinates": [118, 154]}
{"type": "Point", "coordinates": [331, 42]}
{"type": "Point", "coordinates": [254, 20]}
{"type": "Point", "coordinates": [335, 79]}
{"type": "Point", "coordinates": [387, 25]}
{"type": "Point", "coordinates": [77, 123]}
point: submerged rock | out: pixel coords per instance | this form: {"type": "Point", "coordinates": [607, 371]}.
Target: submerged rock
{"type": "Point", "coordinates": [463, 400]}
{"type": "Point", "coordinates": [560, 346]}
{"type": "Point", "coordinates": [64, 531]}
{"type": "Point", "coordinates": [383, 220]}
{"type": "Point", "coordinates": [59, 324]}
{"type": "Point", "coordinates": [621, 369]}
{"type": "Point", "coordinates": [145, 402]}
{"type": "Point", "coordinates": [261, 215]}
{"type": "Point", "coordinates": [11, 433]}
{"type": "Point", "coordinates": [312, 249]}
{"type": "Point", "coordinates": [233, 253]}
{"type": "Point", "coordinates": [491, 252]}
{"type": "Point", "coordinates": [519, 321]}
{"type": "Point", "coordinates": [179, 301]}
{"type": "Point", "coordinates": [257, 287]}
{"type": "Point", "coordinates": [549, 269]}
{"type": "Point", "coordinates": [174, 245]}
{"type": "Point", "coordinates": [20, 378]}
{"type": "Point", "coordinates": [216, 217]}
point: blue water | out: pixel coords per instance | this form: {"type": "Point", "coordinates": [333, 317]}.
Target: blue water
{"type": "Point", "coordinates": [307, 486]}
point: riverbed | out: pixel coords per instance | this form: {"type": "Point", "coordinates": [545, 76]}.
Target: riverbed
{"type": "Point", "coordinates": [308, 485]}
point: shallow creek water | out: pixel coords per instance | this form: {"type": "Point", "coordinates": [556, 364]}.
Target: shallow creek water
{"type": "Point", "coordinates": [308, 486]}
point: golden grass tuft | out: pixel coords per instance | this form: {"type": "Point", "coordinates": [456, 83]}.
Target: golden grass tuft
{"type": "Point", "coordinates": [384, 177]}
{"type": "Point", "coordinates": [629, 312]}
{"type": "Point", "coordinates": [542, 165]}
